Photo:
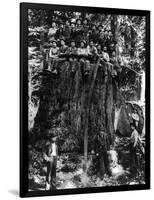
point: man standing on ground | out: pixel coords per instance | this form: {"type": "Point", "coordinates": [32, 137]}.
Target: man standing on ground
{"type": "Point", "coordinates": [51, 158]}
{"type": "Point", "coordinates": [133, 147]}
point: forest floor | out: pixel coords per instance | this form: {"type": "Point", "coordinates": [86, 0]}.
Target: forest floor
{"type": "Point", "coordinates": [70, 175]}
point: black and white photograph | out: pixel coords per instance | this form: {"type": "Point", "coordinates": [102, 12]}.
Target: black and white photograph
{"type": "Point", "coordinates": [86, 99]}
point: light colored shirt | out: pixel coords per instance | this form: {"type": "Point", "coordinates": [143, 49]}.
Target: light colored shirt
{"type": "Point", "coordinates": [54, 149]}
{"type": "Point", "coordinates": [53, 52]}
{"type": "Point", "coordinates": [82, 51]}
{"type": "Point", "coordinates": [135, 116]}
{"type": "Point", "coordinates": [52, 31]}
{"type": "Point", "coordinates": [134, 137]}
{"type": "Point", "coordinates": [92, 50]}
{"type": "Point", "coordinates": [106, 56]}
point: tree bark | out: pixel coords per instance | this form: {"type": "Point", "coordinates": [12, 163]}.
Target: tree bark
{"type": "Point", "coordinates": [87, 112]}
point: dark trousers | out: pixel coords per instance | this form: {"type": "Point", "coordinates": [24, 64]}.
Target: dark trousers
{"type": "Point", "coordinates": [51, 172]}
{"type": "Point", "coordinates": [133, 160]}
{"type": "Point", "coordinates": [103, 163]}
{"type": "Point", "coordinates": [52, 63]}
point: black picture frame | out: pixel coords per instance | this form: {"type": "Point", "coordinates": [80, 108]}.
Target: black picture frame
{"type": "Point", "coordinates": [24, 99]}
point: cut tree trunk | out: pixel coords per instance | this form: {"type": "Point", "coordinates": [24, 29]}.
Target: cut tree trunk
{"type": "Point", "coordinates": [87, 112]}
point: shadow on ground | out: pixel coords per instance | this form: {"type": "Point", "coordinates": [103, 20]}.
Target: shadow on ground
{"type": "Point", "coordinates": [14, 192]}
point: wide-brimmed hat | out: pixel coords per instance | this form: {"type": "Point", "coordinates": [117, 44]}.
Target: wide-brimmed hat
{"type": "Point", "coordinates": [54, 134]}
{"type": "Point", "coordinates": [51, 40]}
{"type": "Point", "coordinates": [100, 25]}
{"type": "Point", "coordinates": [62, 38]}
{"type": "Point", "coordinates": [51, 133]}
{"type": "Point", "coordinates": [78, 20]}
{"type": "Point", "coordinates": [72, 41]}
{"type": "Point", "coordinates": [91, 40]}
{"type": "Point", "coordinates": [54, 41]}
{"type": "Point", "coordinates": [83, 41]}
